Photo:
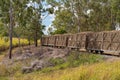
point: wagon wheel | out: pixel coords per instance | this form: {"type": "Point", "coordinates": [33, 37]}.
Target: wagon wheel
{"type": "Point", "coordinates": [78, 45]}
{"type": "Point", "coordinates": [101, 52]}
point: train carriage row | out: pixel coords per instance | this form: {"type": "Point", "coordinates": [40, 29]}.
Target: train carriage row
{"type": "Point", "coordinates": [106, 41]}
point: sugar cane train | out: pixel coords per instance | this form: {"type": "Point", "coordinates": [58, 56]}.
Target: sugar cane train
{"type": "Point", "coordinates": [107, 42]}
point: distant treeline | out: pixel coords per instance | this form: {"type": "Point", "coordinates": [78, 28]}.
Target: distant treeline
{"type": "Point", "coordinates": [85, 15]}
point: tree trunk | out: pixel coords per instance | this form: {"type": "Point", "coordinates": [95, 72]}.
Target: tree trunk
{"type": "Point", "coordinates": [78, 25]}
{"type": "Point", "coordinates": [36, 43]}
{"type": "Point", "coordinates": [10, 30]}
{"type": "Point", "coordinates": [41, 44]}
{"type": "Point", "coordinates": [19, 41]}
{"type": "Point", "coordinates": [41, 41]}
{"type": "Point", "coordinates": [29, 42]}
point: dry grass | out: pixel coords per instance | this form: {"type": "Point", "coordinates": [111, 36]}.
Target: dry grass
{"type": "Point", "coordinates": [1, 57]}
{"type": "Point", "coordinates": [98, 71]}
{"type": "Point", "coordinates": [4, 43]}
{"type": "Point", "coordinates": [88, 69]}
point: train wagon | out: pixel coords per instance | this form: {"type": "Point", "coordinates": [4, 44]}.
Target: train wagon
{"type": "Point", "coordinates": [111, 42]}
{"type": "Point", "coordinates": [51, 41]}
{"type": "Point", "coordinates": [61, 40]}
{"type": "Point", "coordinates": [81, 40]}
{"type": "Point", "coordinates": [95, 42]}
{"type": "Point", "coordinates": [106, 41]}
{"type": "Point", "coordinates": [99, 42]}
{"type": "Point", "coordinates": [72, 41]}
{"type": "Point", "coordinates": [44, 41]}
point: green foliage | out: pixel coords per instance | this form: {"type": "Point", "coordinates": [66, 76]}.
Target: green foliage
{"type": "Point", "coordinates": [56, 61]}
{"type": "Point", "coordinates": [63, 21]}
{"type": "Point", "coordinates": [57, 64]}
{"type": "Point", "coordinates": [50, 10]}
{"type": "Point", "coordinates": [76, 59]}
{"type": "Point", "coordinates": [85, 15]}
{"type": "Point", "coordinates": [99, 71]}
{"type": "Point", "coordinates": [59, 31]}
{"type": "Point", "coordinates": [46, 70]}
{"type": "Point", "coordinates": [3, 30]}
{"type": "Point", "coordinates": [115, 4]}
{"type": "Point", "coordinates": [26, 20]}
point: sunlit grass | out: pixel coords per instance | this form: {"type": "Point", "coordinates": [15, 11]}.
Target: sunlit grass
{"type": "Point", "coordinates": [4, 43]}
{"type": "Point", "coordinates": [97, 71]}
{"type": "Point", "coordinates": [78, 67]}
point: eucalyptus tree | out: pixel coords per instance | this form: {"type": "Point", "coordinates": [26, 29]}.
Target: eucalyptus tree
{"type": "Point", "coordinates": [16, 14]}
{"type": "Point", "coordinates": [73, 13]}
{"type": "Point", "coordinates": [63, 20]}
{"type": "Point", "coordinates": [115, 13]}
{"type": "Point", "coordinates": [3, 30]}
{"type": "Point", "coordinates": [7, 17]}
{"type": "Point", "coordinates": [64, 17]}
{"type": "Point", "coordinates": [34, 18]}
{"type": "Point", "coordinates": [34, 21]}
{"type": "Point", "coordinates": [87, 15]}
{"type": "Point", "coordinates": [8, 13]}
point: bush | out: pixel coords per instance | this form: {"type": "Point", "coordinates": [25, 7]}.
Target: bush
{"type": "Point", "coordinates": [7, 71]}
{"type": "Point", "coordinates": [56, 61]}
{"type": "Point", "coordinates": [75, 58]}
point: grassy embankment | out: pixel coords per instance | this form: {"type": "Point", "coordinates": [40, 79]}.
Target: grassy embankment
{"type": "Point", "coordinates": [76, 67]}
{"type": "Point", "coordinates": [98, 71]}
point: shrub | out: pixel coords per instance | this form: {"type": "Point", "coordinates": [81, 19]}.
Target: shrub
{"type": "Point", "coordinates": [76, 58]}
{"type": "Point", "coordinates": [56, 61]}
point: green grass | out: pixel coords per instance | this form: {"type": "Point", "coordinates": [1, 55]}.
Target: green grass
{"type": "Point", "coordinates": [77, 66]}
{"type": "Point", "coordinates": [97, 71]}
{"type": "Point", "coordinates": [74, 59]}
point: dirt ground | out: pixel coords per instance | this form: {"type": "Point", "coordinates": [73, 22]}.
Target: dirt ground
{"type": "Point", "coordinates": [45, 53]}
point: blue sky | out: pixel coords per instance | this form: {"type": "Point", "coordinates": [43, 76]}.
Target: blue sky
{"type": "Point", "coordinates": [47, 21]}
{"type": "Point", "coordinates": [47, 18]}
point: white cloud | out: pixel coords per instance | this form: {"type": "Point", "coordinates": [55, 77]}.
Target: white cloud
{"type": "Point", "coordinates": [55, 8]}
{"type": "Point", "coordinates": [49, 19]}
{"type": "Point", "coordinates": [47, 6]}
{"type": "Point", "coordinates": [52, 17]}
{"type": "Point", "coordinates": [33, 4]}
{"type": "Point", "coordinates": [46, 29]}
{"type": "Point", "coordinates": [117, 26]}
